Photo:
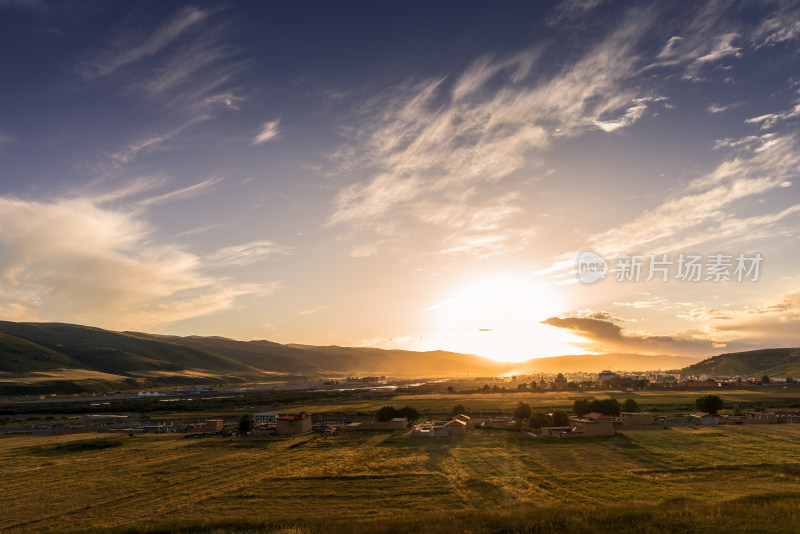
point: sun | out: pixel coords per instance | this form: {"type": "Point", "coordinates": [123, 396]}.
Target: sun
{"type": "Point", "coordinates": [500, 317]}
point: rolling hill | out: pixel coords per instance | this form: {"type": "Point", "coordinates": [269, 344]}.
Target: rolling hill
{"type": "Point", "coordinates": [594, 363]}
{"type": "Point", "coordinates": [769, 362]}
{"type": "Point", "coordinates": [31, 350]}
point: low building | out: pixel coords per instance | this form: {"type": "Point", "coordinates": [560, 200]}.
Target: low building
{"type": "Point", "coordinates": [639, 421]}
{"type": "Point", "coordinates": [265, 418]}
{"type": "Point", "coordinates": [702, 418]}
{"type": "Point", "coordinates": [730, 420]}
{"type": "Point", "coordinates": [293, 424]}
{"type": "Point", "coordinates": [760, 418]}
{"type": "Point", "coordinates": [456, 427]}
{"type": "Point", "coordinates": [587, 426]}
{"type": "Point", "coordinates": [211, 425]}
{"type": "Point", "coordinates": [788, 417]}
{"type": "Point", "coordinates": [676, 420]}
{"type": "Point", "coordinates": [462, 417]}
{"type": "Point", "coordinates": [592, 424]}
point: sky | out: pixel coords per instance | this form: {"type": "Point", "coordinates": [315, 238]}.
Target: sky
{"type": "Point", "coordinates": [407, 175]}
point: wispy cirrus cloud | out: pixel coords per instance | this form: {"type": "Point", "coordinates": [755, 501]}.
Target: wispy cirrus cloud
{"type": "Point", "coordinates": [185, 62]}
{"type": "Point", "coordinates": [436, 143]}
{"type": "Point", "coordinates": [133, 48]}
{"type": "Point", "coordinates": [269, 131]}
{"type": "Point", "coordinates": [247, 253]}
{"type": "Point", "coordinates": [705, 208]}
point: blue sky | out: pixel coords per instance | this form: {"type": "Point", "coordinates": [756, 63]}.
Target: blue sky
{"type": "Point", "coordinates": [407, 175]}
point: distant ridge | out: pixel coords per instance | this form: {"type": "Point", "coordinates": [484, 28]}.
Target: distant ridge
{"type": "Point", "coordinates": [32, 352]}
{"type": "Point", "coordinates": [785, 361]}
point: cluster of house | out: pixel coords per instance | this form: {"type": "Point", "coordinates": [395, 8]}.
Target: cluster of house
{"type": "Point", "coordinates": [749, 418]}
{"type": "Point", "coordinates": [596, 424]}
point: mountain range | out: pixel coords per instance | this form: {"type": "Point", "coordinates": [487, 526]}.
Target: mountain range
{"type": "Point", "coordinates": [55, 353]}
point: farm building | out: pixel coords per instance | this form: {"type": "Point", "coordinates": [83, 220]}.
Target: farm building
{"type": "Point", "coordinates": [677, 420]}
{"type": "Point", "coordinates": [703, 418]}
{"type": "Point", "coordinates": [437, 429]}
{"type": "Point", "coordinates": [462, 417]}
{"type": "Point", "coordinates": [293, 424]}
{"type": "Point", "coordinates": [588, 426]}
{"type": "Point", "coordinates": [760, 418]}
{"type": "Point", "coordinates": [456, 427]}
{"type": "Point", "coordinates": [787, 417]}
{"type": "Point", "coordinates": [639, 421]}
{"type": "Point", "coordinates": [730, 420]}
{"type": "Point", "coordinates": [265, 418]}
{"type": "Point", "coordinates": [210, 425]}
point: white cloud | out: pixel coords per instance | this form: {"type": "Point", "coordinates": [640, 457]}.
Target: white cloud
{"type": "Point", "coordinates": [71, 259]}
{"type": "Point", "coordinates": [771, 119]}
{"type": "Point", "coordinates": [719, 108]}
{"type": "Point", "coordinates": [183, 64]}
{"type": "Point", "coordinates": [434, 144]}
{"type": "Point", "coordinates": [268, 132]}
{"type": "Point", "coordinates": [135, 47]}
{"type": "Point", "coordinates": [180, 194]}
{"type": "Point", "coordinates": [707, 200]}
{"type": "Point", "coordinates": [314, 310]}
{"type": "Point", "coordinates": [247, 253]}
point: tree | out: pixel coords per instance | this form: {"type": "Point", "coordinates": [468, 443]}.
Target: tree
{"type": "Point", "coordinates": [522, 386]}
{"type": "Point", "coordinates": [459, 409]}
{"type": "Point", "coordinates": [411, 414]}
{"type": "Point", "coordinates": [631, 406]}
{"type": "Point", "coordinates": [609, 406]}
{"type": "Point", "coordinates": [560, 418]}
{"type": "Point", "coordinates": [789, 380]}
{"type": "Point", "coordinates": [386, 413]}
{"type": "Point", "coordinates": [539, 419]}
{"type": "Point", "coordinates": [486, 387]}
{"type": "Point", "coordinates": [246, 424]}
{"type": "Point", "coordinates": [765, 379]}
{"type": "Point", "coordinates": [737, 410]}
{"type": "Point", "coordinates": [709, 404]}
{"type": "Point", "coordinates": [522, 411]}
{"type": "Point", "coordinates": [450, 389]}
{"type": "Point", "coordinates": [581, 407]}
{"type": "Point", "coordinates": [495, 388]}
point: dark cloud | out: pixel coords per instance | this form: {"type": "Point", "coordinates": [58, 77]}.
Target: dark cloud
{"type": "Point", "coordinates": [605, 336]}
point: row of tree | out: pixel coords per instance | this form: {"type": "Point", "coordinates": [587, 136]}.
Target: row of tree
{"type": "Point", "coordinates": [539, 419]}
{"type": "Point", "coordinates": [387, 413]}
{"type": "Point", "coordinates": [610, 406]}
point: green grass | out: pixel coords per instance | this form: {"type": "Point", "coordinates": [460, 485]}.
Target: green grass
{"type": "Point", "coordinates": [734, 479]}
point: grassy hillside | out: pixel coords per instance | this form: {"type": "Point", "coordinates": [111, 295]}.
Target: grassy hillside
{"type": "Point", "coordinates": [19, 355]}
{"type": "Point", "coordinates": [593, 363]}
{"type": "Point", "coordinates": [755, 362]}
{"type": "Point", "coordinates": [32, 347]}
{"type": "Point", "coordinates": [263, 355]}
{"type": "Point", "coordinates": [373, 361]}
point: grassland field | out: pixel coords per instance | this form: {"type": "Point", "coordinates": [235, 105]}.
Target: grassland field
{"type": "Point", "coordinates": [660, 401]}
{"type": "Point", "coordinates": [732, 479]}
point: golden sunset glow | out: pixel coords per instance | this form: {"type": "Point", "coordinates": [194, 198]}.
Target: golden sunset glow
{"type": "Point", "coordinates": [498, 316]}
